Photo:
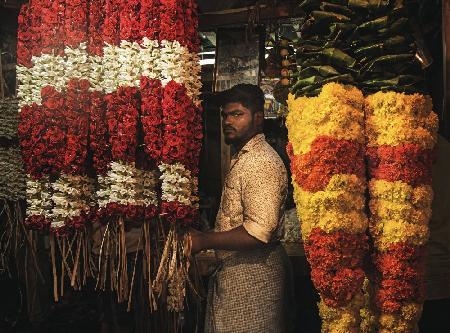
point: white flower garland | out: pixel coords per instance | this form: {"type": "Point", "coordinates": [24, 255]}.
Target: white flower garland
{"type": "Point", "coordinates": [39, 197]}
{"type": "Point", "coordinates": [72, 195]}
{"type": "Point", "coordinates": [178, 184]}
{"type": "Point", "coordinates": [127, 185]}
{"type": "Point", "coordinates": [121, 65]}
{"type": "Point", "coordinates": [25, 85]}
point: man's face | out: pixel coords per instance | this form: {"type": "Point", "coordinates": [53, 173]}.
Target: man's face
{"type": "Point", "coordinates": [238, 123]}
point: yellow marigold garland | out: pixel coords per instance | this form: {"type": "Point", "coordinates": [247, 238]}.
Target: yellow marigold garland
{"type": "Point", "coordinates": [326, 135]}
{"type": "Point", "coordinates": [401, 132]}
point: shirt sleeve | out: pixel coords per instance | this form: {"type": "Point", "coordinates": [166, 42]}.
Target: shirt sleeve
{"type": "Point", "coordinates": [264, 189]}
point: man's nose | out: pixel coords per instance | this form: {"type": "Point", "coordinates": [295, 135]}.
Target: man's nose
{"type": "Point", "coordinates": [226, 120]}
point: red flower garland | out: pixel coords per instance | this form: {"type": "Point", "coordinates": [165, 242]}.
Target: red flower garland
{"type": "Point", "coordinates": [122, 117]}
{"type": "Point", "coordinates": [42, 134]}
{"type": "Point", "coordinates": [36, 27]}
{"type": "Point", "coordinates": [24, 37]}
{"type": "Point", "coordinates": [76, 15]}
{"type": "Point", "coordinates": [183, 128]}
{"type": "Point", "coordinates": [149, 18]}
{"type": "Point", "coordinates": [96, 19]}
{"type": "Point", "coordinates": [111, 22]}
{"type": "Point", "coordinates": [336, 264]}
{"type": "Point", "coordinates": [129, 20]}
{"type": "Point", "coordinates": [191, 26]}
{"type": "Point", "coordinates": [409, 163]}
{"type": "Point", "coordinates": [52, 33]}
{"type": "Point", "coordinates": [151, 117]}
{"type": "Point", "coordinates": [37, 222]}
{"type": "Point", "coordinates": [99, 140]}
{"type": "Point", "coordinates": [400, 276]}
{"type": "Point", "coordinates": [328, 156]}
{"type": "Point", "coordinates": [77, 122]}
{"type": "Point", "coordinates": [172, 18]}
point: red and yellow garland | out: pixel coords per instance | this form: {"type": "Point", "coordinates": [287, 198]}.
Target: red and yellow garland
{"type": "Point", "coordinates": [326, 148]}
{"type": "Point", "coordinates": [401, 134]}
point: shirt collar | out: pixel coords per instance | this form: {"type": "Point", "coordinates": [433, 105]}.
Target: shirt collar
{"type": "Point", "coordinates": [258, 138]}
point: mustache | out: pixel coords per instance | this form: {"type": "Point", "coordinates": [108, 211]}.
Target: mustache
{"type": "Point", "coordinates": [229, 128]}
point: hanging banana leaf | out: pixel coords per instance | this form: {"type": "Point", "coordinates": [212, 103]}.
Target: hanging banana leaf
{"type": "Point", "coordinates": [373, 26]}
{"type": "Point", "coordinates": [314, 61]}
{"type": "Point", "coordinates": [329, 17]}
{"type": "Point", "coordinates": [396, 44]}
{"type": "Point", "coordinates": [340, 29]}
{"type": "Point", "coordinates": [305, 4]}
{"type": "Point", "coordinates": [336, 57]}
{"type": "Point", "coordinates": [394, 28]}
{"type": "Point", "coordinates": [370, 5]}
{"type": "Point", "coordinates": [324, 71]}
{"type": "Point", "coordinates": [339, 9]}
{"type": "Point", "coordinates": [393, 59]}
{"type": "Point", "coordinates": [301, 83]}
{"type": "Point", "coordinates": [400, 80]}
{"type": "Point", "coordinates": [344, 78]}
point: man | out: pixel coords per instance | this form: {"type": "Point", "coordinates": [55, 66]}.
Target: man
{"type": "Point", "coordinates": [248, 291]}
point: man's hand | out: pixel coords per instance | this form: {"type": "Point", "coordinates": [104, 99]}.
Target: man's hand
{"type": "Point", "coordinates": [196, 241]}
{"type": "Point", "coordinates": [233, 240]}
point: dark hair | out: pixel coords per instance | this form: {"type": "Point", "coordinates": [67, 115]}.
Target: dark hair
{"type": "Point", "coordinates": [249, 95]}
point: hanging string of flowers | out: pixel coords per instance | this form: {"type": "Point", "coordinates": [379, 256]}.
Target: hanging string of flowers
{"type": "Point", "coordinates": [106, 89]}
{"type": "Point", "coordinates": [326, 148]}
{"type": "Point", "coordinates": [401, 132]}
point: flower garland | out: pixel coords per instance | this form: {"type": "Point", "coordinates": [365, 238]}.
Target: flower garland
{"type": "Point", "coordinates": [179, 69]}
{"type": "Point", "coordinates": [401, 133]}
{"type": "Point", "coordinates": [149, 19]}
{"type": "Point", "coordinates": [104, 88]}
{"type": "Point", "coordinates": [326, 149]}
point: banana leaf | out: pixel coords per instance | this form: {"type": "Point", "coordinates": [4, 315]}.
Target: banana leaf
{"type": "Point", "coordinates": [309, 4]}
{"type": "Point", "coordinates": [396, 27]}
{"type": "Point", "coordinates": [306, 82]}
{"type": "Point", "coordinates": [314, 61]}
{"type": "Point", "coordinates": [337, 57]}
{"type": "Point", "coordinates": [324, 71]}
{"type": "Point", "coordinates": [373, 26]}
{"type": "Point", "coordinates": [396, 43]}
{"type": "Point", "coordinates": [371, 5]}
{"type": "Point", "coordinates": [339, 29]}
{"type": "Point", "coordinates": [400, 80]}
{"type": "Point", "coordinates": [339, 9]}
{"type": "Point", "coordinates": [329, 16]}
{"type": "Point", "coordinates": [312, 27]}
{"type": "Point", "coordinates": [344, 78]}
{"type": "Point", "coordinates": [308, 49]}
{"type": "Point", "coordinates": [379, 63]}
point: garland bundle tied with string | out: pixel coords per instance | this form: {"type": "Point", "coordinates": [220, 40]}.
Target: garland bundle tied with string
{"type": "Point", "coordinates": [110, 131]}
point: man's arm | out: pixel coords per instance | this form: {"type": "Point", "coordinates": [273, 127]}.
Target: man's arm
{"type": "Point", "coordinates": [237, 239]}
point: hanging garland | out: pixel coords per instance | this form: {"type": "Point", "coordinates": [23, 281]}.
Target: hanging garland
{"type": "Point", "coordinates": [401, 133]}
{"type": "Point", "coordinates": [109, 112]}
{"type": "Point", "coordinates": [326, 148]}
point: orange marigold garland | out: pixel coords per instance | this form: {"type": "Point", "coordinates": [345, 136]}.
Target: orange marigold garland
{"type": "Point", "coordinates": [401, 133]}
{"type": "Point", "coordinates": [327, 160]}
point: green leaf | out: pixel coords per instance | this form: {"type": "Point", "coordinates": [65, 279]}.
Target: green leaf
{"type": "Point", "coordinates": [337, 57]}
{"type": "Point", "coordinates": [324, 71]}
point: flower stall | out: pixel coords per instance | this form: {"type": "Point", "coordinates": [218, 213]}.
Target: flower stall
{"type": "Point", "coordinates": [111, 150]}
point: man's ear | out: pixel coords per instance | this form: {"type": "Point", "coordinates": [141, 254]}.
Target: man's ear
{"type": "Point", "coordinates": [259, 119]}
